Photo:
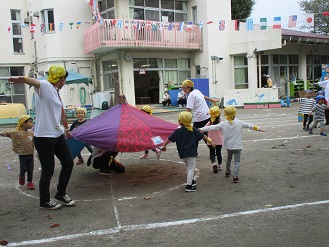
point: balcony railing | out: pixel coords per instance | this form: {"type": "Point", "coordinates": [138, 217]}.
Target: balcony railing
{"type": "Point", "coordinates": [141, 34]}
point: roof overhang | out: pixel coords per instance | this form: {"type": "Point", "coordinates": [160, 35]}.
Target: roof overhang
{"type": "Point", "coordinates": [299, 37]}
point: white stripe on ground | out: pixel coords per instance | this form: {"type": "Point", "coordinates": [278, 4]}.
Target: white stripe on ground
{"type": "Point", "coordinates": [164, 224]}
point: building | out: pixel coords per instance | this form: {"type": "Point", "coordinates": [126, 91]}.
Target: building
{"type": "Point", "coordinates": [141, 47]}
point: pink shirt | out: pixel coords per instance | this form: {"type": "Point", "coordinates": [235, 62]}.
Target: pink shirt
{"type": "Point", "coordinates": [215, 135]}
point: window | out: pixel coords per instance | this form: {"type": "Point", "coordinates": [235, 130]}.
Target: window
{"type": "Point", "coordinates": [240, 72]}
{"type": "Point", "coordinates": [11, 93]}
{"type": "Point", "coordinates": [48, 21]}
{"type": "Point", "coordinates": [106, 8]}
{"type": "Point", "coordinates": [17, 31]}
{"type": "Point", "coordinates": [155, 10]}
{"type": "Point", "coordinates": [111, 74]}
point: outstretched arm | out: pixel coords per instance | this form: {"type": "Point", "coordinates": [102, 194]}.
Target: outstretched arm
{"type": "Point", "coordinates": [164, 147]}
{"type": "Point", "coordinates": [27, 80]}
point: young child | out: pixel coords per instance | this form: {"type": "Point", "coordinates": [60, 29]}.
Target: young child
{"type": "Point", "coordinates": [318, 110]}
{"type": "Point", "coordinates": [24, 147]}
{"type": "Point", "coordinates": [217, 138]}
{"type": "Point", "coordinates": [306, 104]}
{"type": "Point", "coordinates": [186, 137]}
{"type": "Point", "coordinates": [148, 109]}
{"type": "Point", "coordinates": [166, 99]}
{"type": "Point", "coordinates": [80, 112]}
{"type": "Point", "coordinates": [232, 130]}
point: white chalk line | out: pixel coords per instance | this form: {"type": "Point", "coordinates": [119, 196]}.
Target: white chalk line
{"type": "Point", "coordinates": [128, 228]}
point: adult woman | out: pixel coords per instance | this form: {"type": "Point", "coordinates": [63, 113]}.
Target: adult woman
{"type": "Point", "coordinates": [196, 103]}
{"type": "Point", "coordinates": [49, 139]}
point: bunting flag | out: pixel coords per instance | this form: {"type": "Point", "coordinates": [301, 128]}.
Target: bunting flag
{"type": "Point", "coordinates": [277, 23]}
{"type": "Point", "coordinates": [126, 24]}
{"type": "Point", "coordinates": [170, 26]}
{"type": "Point", "coordinates": [181, 26]}
{"type": "Point", "coordinates": [32, 28]}
{"type": "Point", "coordinates": [78, 24]}
{"type": "Point", "coordinates": [309, 20]}
{"type": "Point", "coordinates": [249, 24]}
{"type": "Point", "coordinates": [221, 25]}
{"type": "Point", "coordinates": [71, 24]}
{"type": "Point", "coordinates": [189, 26]}
{"type": "Point", "coordinates": [263, 23]}
{"type": "Point", "coordinates": [61, 25]}
{"type": "Point", "coordinates": [236, 25]}
{"type": "Point", "coordinates": [200, 25]}
{"type": "Point", "coordinates": [292, 21]}
{"type": "Point", "coordinates": [210, 22]}
{"type": "Point", "coordinates": [23, 25]}
{"type": "Point", "coordinates": [119, 24]}
{"type": "Point", "coordinates": [42, 27]}
{"type": "Point", "coordinates": [154, 26]}
{"type": "Point", "coordinates": [8, 29]}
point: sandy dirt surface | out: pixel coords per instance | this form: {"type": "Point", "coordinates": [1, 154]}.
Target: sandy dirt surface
{"type": "Point", "coordinates": [282, 198]}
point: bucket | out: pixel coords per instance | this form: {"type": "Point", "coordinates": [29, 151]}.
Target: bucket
{"type": "Point", "coordinates": [300, 117]}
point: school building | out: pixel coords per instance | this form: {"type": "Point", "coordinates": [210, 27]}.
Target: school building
{"type": "Point", "coordinates": [141, 47]}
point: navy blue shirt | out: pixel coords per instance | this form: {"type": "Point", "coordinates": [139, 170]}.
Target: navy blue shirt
{"type": "Point", "coordinates": [186, 141]}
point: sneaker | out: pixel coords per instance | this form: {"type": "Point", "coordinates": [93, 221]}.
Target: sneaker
{"type": "Point", "coordinates": [193, 182]}
{"type": "Point", "coordinates": [66, 199]}
{"type": "Point", "coordinates": [50, 205]}
{"type": "Point", "coordinates": [21, 180]}
{"type": "Point", "coordinates": [30, 186]}
{"type": "Point", "coordinates": [235, 179]}
{"type": "Point", "coordinates": [190, 188]}
{"type": "Point", "coordinates": [227, 173]}
{"type": "Point", "coordinates": [105, 172]}
{"type": "Point", "coordinates": [158, 152]}
{"type": "Point", "coordinates": [304, 128]}
{"type": "Point", "coordinates": [310, 132]}
{"type": "Point", "coordinates": [220, 167]}
{"type": "Point", "coordinates": [323, 134]}
{"type": "Point", "coordinates": [214, 167]}
{"type": "Point", "coordinates": [80, 161]}
{"type": "Point", "coordinates": [307, 128]}
{"type": "Point", "coordinates": [144, 156]}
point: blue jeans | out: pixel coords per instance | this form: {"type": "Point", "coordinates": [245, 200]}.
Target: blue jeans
{"type": "Point", "coordinates": [47, 147]}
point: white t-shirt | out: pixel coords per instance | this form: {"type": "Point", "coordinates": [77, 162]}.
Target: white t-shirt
{"type": "Point", "coordinates": [325, 85]}
{"type": "Point", "coordinates": [232, 132]}
{"type": "Point", "coordinates": [198, 105]}
{"type": "Point", "coordinates": [48, 110]}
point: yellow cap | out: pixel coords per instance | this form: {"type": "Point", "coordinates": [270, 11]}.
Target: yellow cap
{"type": "Point", "coordinates": [147, 109]}
{"type": "Point", "coordinates": [56, 73]}
{"type": "Point", "coordinates": [80, 109]}
{"type": "Point", "coordinates": [214, 113]}
{"type": "Point", "coordinates": [188, 83]}
{"type": "Point", "coordinates": [230, 112]}
{"type": "Point", "coordinates": [185, 119]}
{"type": "Point", "coordinates": [21, 120]}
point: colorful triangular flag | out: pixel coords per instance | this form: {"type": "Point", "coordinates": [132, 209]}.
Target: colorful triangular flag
{"type": "Point", "coordinates": [61, 25]}
{"type": "Point", "coordinates": [78, 24]}
{"type": "Point", "coordinates": [263, 23]}
{"type": "Point", "coordinates": [221, 25]}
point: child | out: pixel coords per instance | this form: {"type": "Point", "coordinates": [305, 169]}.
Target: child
{"type": "Point", "coordinates": [318, 110]}
{"type": "Point", "coordinates": [80, 112]}
{"type": "Point", "coordinates": [306, 104]}
{"type": "Point", "coordinates": [186, 138]}
{"type": "Point", "coordinates": [166, 99]}
{"type": "Point", "coordinates": [232, 130]}
{"type": "Point", "coordinates": [148, 109]}
{"type": "Point", "coordinates": [24, 147]}
{"type": "Point", "coordinates": [217, 138]}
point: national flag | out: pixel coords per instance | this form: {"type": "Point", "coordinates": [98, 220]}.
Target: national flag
{"type": "Point", "coordinates": [170, 27]}
{"type": "Point", "coordinates": [181, 26]}
{"type": "Point", "coordinates": [154, 26]}
{"type": "Point", "coordinates": [138, 25]}
{"type": "Point", "coordinates": [292, 21]}
{"type": "Point", "coordinates": [236, 25]}
{"type": "Point", "coordinates": [8, 29]}
{"type": "Point", "coordinates": [119, 24]}
{"type": "Point", "coordinates": [250, 24]}
{"type": "Point", "coordinates": [126, 24]}
{"type": "Point", "coordinates": [71, 24]}
{"type": "Point", "coordinates": [78, 24]}
{"type": "Point", "coordinates": [263, 23]}
{"type": "Point", "coordinates": [210, 22]}
{"type": "Point", "coordinates": [162, 25]}
{"type": "Point", "coordinates": [221, 25]}
{"type": "Point", "coordinates": [42, 27]}
{"type": "Point", "coordinates": [32, 28]}
{"type": "Point", "coordinates": [277, 23]}
{"type": "Point", "coordinates": [200, 25]}
{"type": "Point", "coordinates": [189, 26]}
{"type": "Point", "coordinates": [92, 3]}
{"type": "Point", "coordinates": [309, 20]}
{"type": "Point", "coordinates": [61, 25]}
{"type": "Point", "coordinates": [23, 25]}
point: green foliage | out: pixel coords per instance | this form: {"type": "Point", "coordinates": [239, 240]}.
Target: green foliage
{"type": "Point", "coordinates": [317, 7]}
{"type": "Point", "coordinates": [241, 9]}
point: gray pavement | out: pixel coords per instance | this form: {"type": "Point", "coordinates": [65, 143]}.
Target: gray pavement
{"type": "Point", "coordinates": [281, 200]}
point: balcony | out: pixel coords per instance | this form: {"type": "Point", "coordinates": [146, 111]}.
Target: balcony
{"type": "Point", "coordinates": [136, 34]}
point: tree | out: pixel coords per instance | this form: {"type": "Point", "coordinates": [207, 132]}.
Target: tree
{"type": "Point", "coordinates": [241, 9]}
{"type": "Point", "coordinates": [321, 23]}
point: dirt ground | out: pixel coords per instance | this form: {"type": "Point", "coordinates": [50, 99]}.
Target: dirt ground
{"type": "Point", "coordinates": [282, 198]}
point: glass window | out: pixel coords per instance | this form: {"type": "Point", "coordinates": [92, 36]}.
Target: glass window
{"type": "Point", "coordinates": [18, 45]}
{"type": "Point", "coordinates": [15, 15]}
{"type": "Point", "coordinates": [11, 93]}
{"type": "Point", "coordinates": [167, 4]}
{"type": "Point", "coordinates": [152, 62]}
{"type": "Point", "coordinates": [183, 63]}
{"type": "Point", "coordinates": [181, 5]}
{"type": "Point", "coordinates": [275, 59]}
{"type": "Point", "coordinates": [136, 2]}
{"type": "Point", "coordinates": [140, 63]}
{"type": "Point", "coordinates": [17, 30]}
{"type": "Point", "coordinates": [264, 59]}
{"type": "Point", "coordinates": [240, 60]}
{"type": "Point", "coordinates": [182, 76]}
{"type": "Point", "coordinates": [137, 14]}
{"type": "Point", "coordinates": [180, 17]}
{"type": "Point", "coordinates": [48, 20]}
{"type": "Point", "coordinates": [283, 59]}
{"type": "Point", "coordinates": [293, 59]}
{"type": "Point", "coordinates": [102, 5]}
{"type": "Point", "coordinates": [309, 59]}
{"type": "Point", "coordinates": [317, 59]}
{"type": "Point", "coordinates": [170, 63]}
{"type": "Point", "coordinates": [169, 14]}
{"type": "Point", "coordinates": [110, 4]}
{"type": "Point", "coordinates": [152, 3]}
{"type": "Point", "coordinates": [152, 15]}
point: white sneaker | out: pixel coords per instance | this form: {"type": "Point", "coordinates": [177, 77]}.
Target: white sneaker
{"type": "Point", "coordinates": [158, 152]}
{"type": "Point", "coordinates": [144, 156]}
{"type": "Point", "coordinates": [220, 167]}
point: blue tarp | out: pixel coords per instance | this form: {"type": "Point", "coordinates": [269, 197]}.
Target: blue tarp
{"type": "Point", "coordinates": [73, 78]}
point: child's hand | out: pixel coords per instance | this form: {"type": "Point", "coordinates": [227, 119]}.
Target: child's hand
{"type": "Point", "coordinates": [213, 145]}
{"type": "Point", "coordinates": [262, 130]}
{"type": "Point", "coordinates": [164, 148]}
{"type": "Point", "coordinates": [200, 130]}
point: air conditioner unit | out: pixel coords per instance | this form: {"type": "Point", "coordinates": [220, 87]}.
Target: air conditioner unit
{"type": "Point", "coordinates": [36, 14]}
{"type": "Point", "coordinates": [27, 20]}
